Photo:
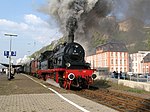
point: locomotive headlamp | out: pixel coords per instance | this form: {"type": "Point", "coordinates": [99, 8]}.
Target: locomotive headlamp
{"type": "Point", "coordinates": [76, 46]}
{"type": "Point", "coordinates": [71, 76]}
{"type": "Point", "coordinates": [94, 76]}
{"type": "Point", "coordinates": [68, 64]}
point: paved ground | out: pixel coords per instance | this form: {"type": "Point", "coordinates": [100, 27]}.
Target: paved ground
{"type": "Point", "coordinates": [19, 85]}
{"type": "Point", "coordinates": [34, 103]}
{"type": "Point", "coordinates": [24, 95]}
{"type": "Point", "coordinates": [47, 103]}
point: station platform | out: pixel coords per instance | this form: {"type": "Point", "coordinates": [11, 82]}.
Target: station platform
{"type": "Point", "coordinates": [26, 94]}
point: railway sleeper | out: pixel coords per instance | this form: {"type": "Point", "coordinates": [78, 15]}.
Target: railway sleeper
{"type": "Point", "coordinates": [123, 103]}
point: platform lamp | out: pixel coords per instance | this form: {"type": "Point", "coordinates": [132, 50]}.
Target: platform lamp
{"type": "Point", "coordinates": [10, 35]}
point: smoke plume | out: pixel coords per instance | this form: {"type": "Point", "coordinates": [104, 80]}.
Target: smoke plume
{"type": "Point", "coordinates": [137, 12]}
{"type": "Point", "coordinates": [86, 15]}
{"type": "Point", "coordinates": [78, 18]}
{"type": "Point", "coordinates": [138, 9]}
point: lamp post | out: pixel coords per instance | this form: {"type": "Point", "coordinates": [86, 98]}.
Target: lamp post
{"type": "Point", "coordinates": [10, 35]}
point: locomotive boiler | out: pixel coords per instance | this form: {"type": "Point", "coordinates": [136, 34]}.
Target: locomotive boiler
{"type": "Point", "coordinates": [69, 55]}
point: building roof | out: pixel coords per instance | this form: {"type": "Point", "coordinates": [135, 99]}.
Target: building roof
{"type": "Point", "coordinates": [147, 58]}
{"type": "Point", "coordinates": [113, 47]}
{"type": "Point", "coordinates": [7, 65]}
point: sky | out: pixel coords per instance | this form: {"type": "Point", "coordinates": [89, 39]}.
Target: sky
{"type": "Point", "coordinates": [34, 29]}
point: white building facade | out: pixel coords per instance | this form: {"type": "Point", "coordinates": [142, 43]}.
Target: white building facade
{"type": "Point", "coordinates": [136, 62]}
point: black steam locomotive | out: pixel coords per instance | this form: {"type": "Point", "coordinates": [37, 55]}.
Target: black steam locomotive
{"type": "Point", "coordinates": [65, 64]}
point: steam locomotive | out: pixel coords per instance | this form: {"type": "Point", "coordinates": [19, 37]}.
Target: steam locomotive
{"type": "Point", "coordinates": [65, 64]}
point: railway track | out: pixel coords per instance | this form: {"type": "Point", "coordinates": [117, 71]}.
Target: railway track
{"type": "Point", "coordinates": [120, 101]}
{"type": "Point", "coordinates": [117, 100]}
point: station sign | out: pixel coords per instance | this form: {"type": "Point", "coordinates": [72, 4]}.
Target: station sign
{"type": "Point", "coordinates": [13, 53]}
{"type": "Point", "coordinates": [6, 53]}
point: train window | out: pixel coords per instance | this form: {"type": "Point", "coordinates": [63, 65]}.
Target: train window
{"type": "Point", "coordinates": [55, 61]}
{"type": "Point", "coordinates": [59, 60]}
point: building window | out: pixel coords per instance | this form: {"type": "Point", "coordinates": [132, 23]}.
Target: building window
{"type": "Point", "coordinates": [125, 69]}
{"type": "Point", "coordinates": [125, 62]}
{"type": "Point", "coordinates": [133, 70]}
{"type": "Point", "coordinates": [111, 53]}
{"type": "Point", "coordinates": [116, 61]}
{"type": "Point", "coordinates": [121, 69]}
{"type": "Point", "coordinates": [121, 62]}
{"type": "Point", "coordinates": [146, 70]}
{"type": "Point", "coordinates": [117, 69]}
{"type": "Point", "coordinates": [112, 61]}
{"type": "Point", "coordinates": [112, 69]}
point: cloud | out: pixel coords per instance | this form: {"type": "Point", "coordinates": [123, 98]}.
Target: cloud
{"type": "Point", "coordinates": [24, 60]}
{"type": "Point", "coordinates": [34, 20]}
{"type": "Point", "coordinates": [32, 27]}
{"type": "Point", "coordinates": [6, 24]}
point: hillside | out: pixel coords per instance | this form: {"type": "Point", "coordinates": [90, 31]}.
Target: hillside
{"type": "Point", "coordinates": [48, 47]}
{"type": "Point", "coordinates": [139, 41]}
{"type": "Point", "coordinates": [136, 39]}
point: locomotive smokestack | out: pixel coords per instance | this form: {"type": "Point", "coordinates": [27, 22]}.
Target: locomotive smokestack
{"type": "Point", "coordinates": [71, 27]}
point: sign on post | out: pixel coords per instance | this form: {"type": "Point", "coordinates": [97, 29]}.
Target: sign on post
{"type": "Point", "coordinates": [6, 53]}
{"type": "Point", "coordinates": [13, 53]}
